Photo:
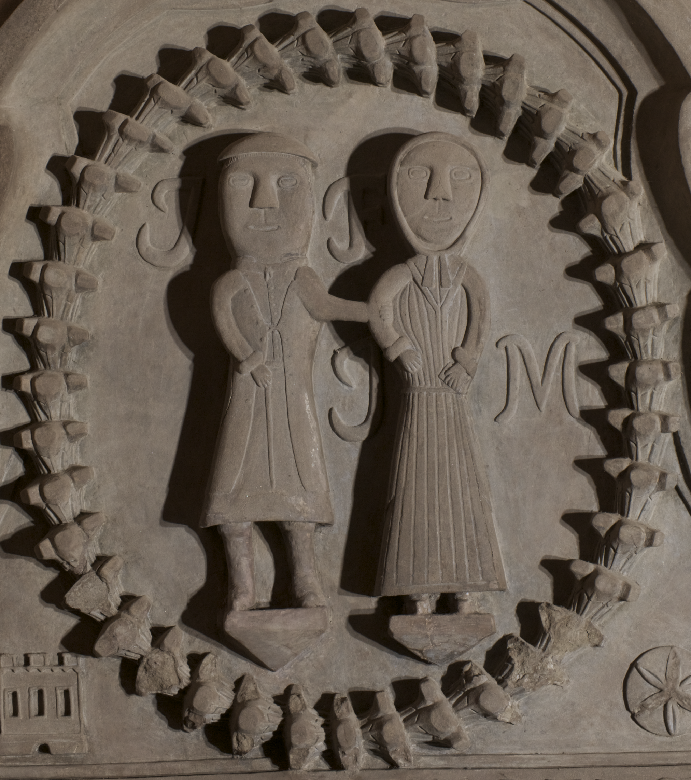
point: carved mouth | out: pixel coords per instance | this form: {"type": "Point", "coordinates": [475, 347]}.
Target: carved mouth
{"type": "Point", "coordinates": [437, 219]}
{"type": "Point", "coordinates": [263, 228]}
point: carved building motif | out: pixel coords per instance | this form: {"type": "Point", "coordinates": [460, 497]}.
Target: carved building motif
{"type": "Point", "coordinates": [42, 704]}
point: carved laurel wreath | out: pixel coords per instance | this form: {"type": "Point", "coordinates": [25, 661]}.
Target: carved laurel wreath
{"type": "Point", "coordinates": [615, 214]}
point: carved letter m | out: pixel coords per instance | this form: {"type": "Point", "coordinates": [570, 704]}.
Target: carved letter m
{"type": "Point", "coordinates": [518, 350]}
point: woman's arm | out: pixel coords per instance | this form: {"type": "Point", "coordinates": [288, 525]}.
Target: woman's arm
{"type": "Point", "coordinates": [477, 330]}
{"type": "Point", "coordinates": [322, 306]}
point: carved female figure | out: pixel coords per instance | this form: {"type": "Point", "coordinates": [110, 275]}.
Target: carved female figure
{"type": "Point", "coordinates": [431, 315]}
{"type": "Point", "coordinates": [268, 310]}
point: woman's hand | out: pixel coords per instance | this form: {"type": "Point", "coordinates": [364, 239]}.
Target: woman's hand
{"type": "Point", "coordinates": [410, 361]}
{"type": "Point", "coordinates": [457, 378]}
{"type": "Point", "coordinates": [262, 375]}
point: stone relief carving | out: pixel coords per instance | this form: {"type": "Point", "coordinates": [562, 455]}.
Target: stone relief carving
{"type": "Point", "coordinates": [268, 311]}
{"type": "Point", "coordinates": [346, 734]}
{"type": "Point", "coordinates": [253, 719]}
{"type": "Point", "coordinates": [60, 495]}
{"type": "Point", "coordinates": [271, 280]}
{"type": "Point", "coordinates": [358, 248]}
{"type": "Point", "coordinates": [431, 315]}
{"type": "Point", "coordinates": [657, 691]}
{"type": "Point", "coordinates": [128, 633]}
{"type": "Point", "coordinates": [259, 62]}
{"type": "Point", "coordinates": [385, 733]}
{"type": "Point", "coordinates": [361, 46]}
{"type": "Point", "coordinates": [369, 426]}
{"type": "Point", "coordinates": [52, 341]}
{"type": "Point", "coordinates": [518, 349]}
{"type": "Point", "coordinates": [302, 731]}
{"type": "Point", "coordinates": [73, 545]}
{"type": "Point", "coordinates": [183, 248]}
{"type": "Point", "coordinates": [164, 670]}
{"type": "Point", "coordinates": [413, 50]}
{"type": "Point", "coordinates": [479, 693]}
{"type": "Point", "coordinates": [308, 48]}
{"type": "Point", "coordinates": [42, 704]}
{"type": "Point", "coordinates": [462, 67]}
{"type": "Point", "coordinates": [97, 593]}
{"type": "Point", "coordinates": [433, 716]}
{"type": "Point", "coordinates": [208, 695]}
{"type": "Point", "coordinates": [48, 394]}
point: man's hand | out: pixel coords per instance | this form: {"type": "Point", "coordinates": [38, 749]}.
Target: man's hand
{"type": "Point", "coordinates": [457, 378]}
{"type": "Point", "coordinates": [410, 361]}
{"type": "Point", "coordinates": [262, 375]}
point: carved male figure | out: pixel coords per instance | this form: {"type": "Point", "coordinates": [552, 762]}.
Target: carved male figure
{"type": "Point", "coordinates": [431, 315]}
{"type": "Point", "coordinates": [268, 310]}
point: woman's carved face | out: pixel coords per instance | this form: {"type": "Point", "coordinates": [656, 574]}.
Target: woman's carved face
{"type": "Point", "coordinates": [267, 205]}
{"type": "Point", "coordinates": [438, 187]}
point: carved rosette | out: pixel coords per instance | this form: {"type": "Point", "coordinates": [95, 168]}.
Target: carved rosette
{"type": "Point", "coordinates": [657, 691]}
{"type": "Point", "coordinates": [616, 216]}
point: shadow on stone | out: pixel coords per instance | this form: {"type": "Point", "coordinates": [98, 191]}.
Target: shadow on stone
{"type": "Point", "coordinates": [581, 523]}
{"type": "Point", "coordinates": [562, 579]}
{"type": "Point", "coordinates": [129, 87]}
{"type": "Point", "coordinates": [374, 627]}
{"type": "Point", "coordinates": [222, 39]}
{"type": "Point", "coordinates": [189, 314]}
{"type": "Point", "coordinates": [360, 560]}
{"type": "Point", "coordinates": [528, 616]}
{"type": "Point", "coordinates": [170, 708]}
{"type": "Point", "coordinates": [600, 480]}
{"type": "Point", "coordinates": [90, 132]}
{"type": "Point", "coordinates": [173, 62]}
{"type": "Point", "coordinates": [274, 25]}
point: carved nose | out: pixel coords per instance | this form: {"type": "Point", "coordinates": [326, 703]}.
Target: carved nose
{"type": "Point", "coordinates": [264, 194]}
{"type": "Point", "coordinates": [439, 186]}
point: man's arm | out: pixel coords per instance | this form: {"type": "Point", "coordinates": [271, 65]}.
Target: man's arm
{"type": "Point", "coordinates": [322, 306]}
{"type": "Point", "coordinates": [381, 316]}
{"type": "Point", "coordinates": [224, 290]}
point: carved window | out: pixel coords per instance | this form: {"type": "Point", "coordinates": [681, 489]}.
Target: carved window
{"type": "Point", "coordinates": [37, 703]}
{"type": "Point", "coordinates": [12, 704]}
{"type": "Point", "coordinates": [64, 702]}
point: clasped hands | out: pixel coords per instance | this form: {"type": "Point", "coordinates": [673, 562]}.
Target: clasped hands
{"type": "Point", "coordinates": [454, 374]}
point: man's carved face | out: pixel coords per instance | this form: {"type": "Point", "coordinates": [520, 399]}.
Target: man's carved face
{"type": "Point", "coordinates": [267, 207]}
{"type": "Point", "coordinates": [438, 186]}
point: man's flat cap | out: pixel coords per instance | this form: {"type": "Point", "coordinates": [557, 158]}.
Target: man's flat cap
{"type": "Point", "coordinates": [267, 143]}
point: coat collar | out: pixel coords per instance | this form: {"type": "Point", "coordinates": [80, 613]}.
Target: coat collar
{"type": "Point", "coordinates": [437, 275]}
{"type": "Point", "coordinates": [438, 270]}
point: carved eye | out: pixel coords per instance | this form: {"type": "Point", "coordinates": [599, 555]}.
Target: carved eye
{"type": "Point", "coordinates": [461, 174]}
{"type": "Point", "coordinates": [240, 179]}
{"type": "Point", "coordinates": [288, 181]}
{"type": "Point", "coordinates": [418, 172]}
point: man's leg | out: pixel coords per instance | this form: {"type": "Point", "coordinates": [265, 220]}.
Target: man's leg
{"type": "Point", "coordinates": [300, 545]}
{"type": "Point", "coordinates": [237, 538]}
